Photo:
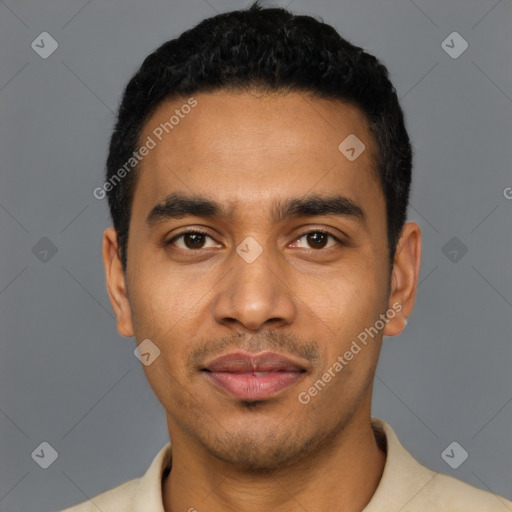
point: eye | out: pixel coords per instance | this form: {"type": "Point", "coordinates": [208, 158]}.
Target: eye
{"type": "Point", "coordinates": [192, 240]}
{"type": "Point", "coordinates": [318, 238]}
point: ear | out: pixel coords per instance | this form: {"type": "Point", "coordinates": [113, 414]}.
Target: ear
{"type": "Point", "coordinates": [404, 278]}
{"type": "Point", "coordinates": [116, 284]}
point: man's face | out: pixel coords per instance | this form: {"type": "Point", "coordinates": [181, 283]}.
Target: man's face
{"type": "Point", "coordinates": [257, 283]}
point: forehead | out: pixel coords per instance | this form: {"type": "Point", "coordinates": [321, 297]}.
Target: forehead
{"type": "Point", "coordinates": [244, 148]}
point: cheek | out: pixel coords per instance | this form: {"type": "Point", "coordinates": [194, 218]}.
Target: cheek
{"type": "Point", "coordinates": [167, 386]}
{"type": "Point", "coordinates": [168, 308]}
{"type": "Point", "coordinates": [345, 307]}
{"type": "Point", "coordinates": [347, 299]}
{"type": "Point", "coordinates": [162, 300]}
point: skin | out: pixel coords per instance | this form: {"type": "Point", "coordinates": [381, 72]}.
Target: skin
{"type": "Point", "coordinates": [308, 299]}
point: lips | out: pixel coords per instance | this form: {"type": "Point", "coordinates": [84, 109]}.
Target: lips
{"type": "Point", "coordinates": [253, 377]}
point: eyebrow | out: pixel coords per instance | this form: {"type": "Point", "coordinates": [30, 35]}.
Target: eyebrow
{"type": "Point", "coordinates": [179, 205]}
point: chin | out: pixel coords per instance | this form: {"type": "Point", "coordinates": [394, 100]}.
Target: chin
{"type": "Point", "coordinates": [258, 447]}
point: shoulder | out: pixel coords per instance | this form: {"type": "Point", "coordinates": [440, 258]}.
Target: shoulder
{"type": "Point", "coordinates": [409, 486]}
{"type": "Point", "coordinates": [144, 493]}
{"type": "Point", "coordinates": [118, 499]}
{"type": "Point", "coordinates": [446, 493]}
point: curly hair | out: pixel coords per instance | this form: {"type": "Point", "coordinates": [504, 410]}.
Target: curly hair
{"type": "Point", "coordinates": [268, 50]}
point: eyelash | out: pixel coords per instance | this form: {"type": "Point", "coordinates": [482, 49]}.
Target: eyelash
{"type": "Point", "coordinates": [198, 232]}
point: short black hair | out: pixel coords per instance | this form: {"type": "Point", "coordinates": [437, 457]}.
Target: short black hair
{"type": "Point", "coordinates": [268, 50]}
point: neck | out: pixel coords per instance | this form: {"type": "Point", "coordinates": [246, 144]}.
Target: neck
{"type": "Point", "coordinates": [341, 476]}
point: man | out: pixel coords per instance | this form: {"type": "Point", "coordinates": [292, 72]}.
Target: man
{"type": "Point", "coordinates": [258, 180]}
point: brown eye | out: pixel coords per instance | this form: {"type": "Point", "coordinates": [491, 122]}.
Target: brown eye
{"type": "Point", "coordinates": [192, 240]}
{"type": "Point", "coordinates": [318, 239]}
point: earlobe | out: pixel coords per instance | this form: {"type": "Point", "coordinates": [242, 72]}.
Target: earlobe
{"type": "Point", "coordinates": [116, 283]}
{"type": "Point", "coordinates": [404, 279]}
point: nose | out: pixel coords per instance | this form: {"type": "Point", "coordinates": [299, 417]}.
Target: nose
{"type": "Point", "coordinates": [254, 293]}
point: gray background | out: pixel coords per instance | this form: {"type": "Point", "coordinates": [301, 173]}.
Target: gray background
{"type": "Point", "coordinates": [68, 378]}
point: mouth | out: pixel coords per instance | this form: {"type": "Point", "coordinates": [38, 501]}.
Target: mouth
{"type": "Point", "coordinates": [253, 377]}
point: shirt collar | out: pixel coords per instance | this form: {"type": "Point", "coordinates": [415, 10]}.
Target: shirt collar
{"type": "Point", "coordinates": [403, 476]}
{"type": "Point", "coordinates": [148, 495]}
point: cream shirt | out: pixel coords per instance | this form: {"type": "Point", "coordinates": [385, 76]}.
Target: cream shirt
{"type": "Point", "coordinates": [405, 486]}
